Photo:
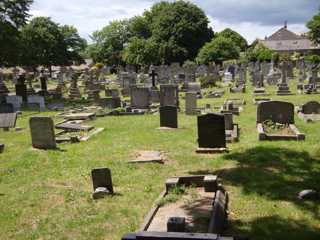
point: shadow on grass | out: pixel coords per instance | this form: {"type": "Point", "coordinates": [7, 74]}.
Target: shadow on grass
{"type": "Point", "coordinates": [274, 173]}
{"type": "Point", "coordinates": [275, 227]}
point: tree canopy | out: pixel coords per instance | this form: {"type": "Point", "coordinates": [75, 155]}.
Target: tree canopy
{"type": "Point", "coordinates": [259, 52]}
{"type": "Point", "coordinates": [314, 26]}
{"type": "Point", "coordinates": [46, 43]}
{"type": "Point", "coordinates": [235, 37]}
{"type": "Point", "coordinates": [13, 14]}
{"type": "Point", "coordinates": [168, 32]}
{"type": "Point", "coordinates": [218, 50]}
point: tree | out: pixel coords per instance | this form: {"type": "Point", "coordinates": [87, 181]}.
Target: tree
{"type": "Point", "coordinates": [75, 45]}
{"type": "Point", "coordinates": [141, 52]}
{"type": "Point", "coordinates": [314, 26]}
{"type": "Point", "coordinates": [46, 43]}
{"type": "Point", "coordinates": [180, 29]}
{"type": "Point", "coordinates": [218, 50]}
{"type": "Point", "coordinates": [259, 52]}
{"type": "Point", "coordinates": [13, 14]}
{"type": "Point", "coordinates": [235, 37]}
{"type": "Point", "coordinates": [109, 43]}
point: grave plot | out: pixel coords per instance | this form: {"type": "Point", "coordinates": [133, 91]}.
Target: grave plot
{"type": "Point", "coordinates": [102, 183]}
{"type": "Point", "coordinates": [43, 134]}
{"type": "Point", "coordinates": [310, 111]}
{"type": "Point", "coordinates": [191, 207]}
{"type": "Point", "coordinates": [275, 121]}
{"type": "Point", "coordinates": [211, 134]}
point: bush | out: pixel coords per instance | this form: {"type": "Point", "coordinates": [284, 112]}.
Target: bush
{"type": "Point", "coordinates": [207, 81]}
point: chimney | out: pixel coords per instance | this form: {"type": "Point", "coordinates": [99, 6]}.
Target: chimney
{"type": "Point", "coordinates": [285, 24]}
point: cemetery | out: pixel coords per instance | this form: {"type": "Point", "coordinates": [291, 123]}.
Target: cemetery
{"type": "Point", "coordinates": [141, 133]}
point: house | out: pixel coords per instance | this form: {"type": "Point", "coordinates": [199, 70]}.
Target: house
{"type": "Point", "coordinates": [285, 41]}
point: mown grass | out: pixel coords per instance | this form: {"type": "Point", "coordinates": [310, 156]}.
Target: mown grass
{"type": "Point", "coordinates": [47, 194]}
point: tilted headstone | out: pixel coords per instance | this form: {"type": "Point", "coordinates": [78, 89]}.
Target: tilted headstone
{"type": "Point", "coordinates": [169, 117]}
{"type": "Point", "coordinates": [276, 111]}
{"type": "Point", "coordinates": [211, 131]}
{"type": "Point", "coordinates": [102, 182]}
{"type": "Point", "coordinates": [42, 133]}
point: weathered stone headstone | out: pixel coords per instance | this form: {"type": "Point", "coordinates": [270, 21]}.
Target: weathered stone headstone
{"type": "Point", "coordinates": [102, 182]}
{"type": "Point", "coordinates": [140, 97]}
{"type": "Point", "coordinates": [191, 103]}
{"type": "Point", "coordinates": [42, 133]}
{"type": "Point", "coordinates": [21, 88]}
{"type": "Point", "coordinates": [169, 117]}
{"type": "Point", "coordinates": [169, 95]}
{"type": "Point", "coordinates": [311, 107]}
{"type": "Point", "coordinates": [283, 87]}
{"type": "Point", "coordinates": [276, 111]}
{"type": "Point", "coordinates": [16, 101]}
{"type": "Point", "coordinates": [211, 131]}
{"type": "Point", "coordinates": [8, 120]}
{"type": "Point", "coordinates": [35, 99]}
{"type": "Point", "coordinates": [3, 88]}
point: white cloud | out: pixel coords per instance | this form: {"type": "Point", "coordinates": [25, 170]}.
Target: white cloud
{"type": "Point", "coordinates": [251, 18]}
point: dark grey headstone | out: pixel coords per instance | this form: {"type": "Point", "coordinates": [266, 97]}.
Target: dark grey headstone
{"type": "Point", "coordinates": [140, 97]}
{"type": "Point", "coordinates": [219, 215]}
{"type": "Point", "coordinates": [312, 107]}
{"type": "Point", "coordinates": [101, 179]}
{"type": "Point", "coordinates": [42, 133]}
{"type": "Point", "coordinates": [228, 117]}
{"type": "Point", "coordinates": [169, 117]}
{"type": "Point", "coordinates": [6, 108]}
{"type": "Point", "coordinates": [211, 131]}
{"type": "Point", "coordinates": [276, 111]}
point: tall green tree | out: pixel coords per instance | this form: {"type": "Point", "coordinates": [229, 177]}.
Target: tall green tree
{"type": "Point", "coordinates": [109, 43]}
{"type": "Point", "coordinates": [235, 37]}
{"type": "Point", "coordinates": [314, 26]}
{"type": "Point", "coordinates": [13, 15]}
{"type": "Point", "coordinates": [218, 50]}
{"type": "Point", "coordinates": [46, 43]}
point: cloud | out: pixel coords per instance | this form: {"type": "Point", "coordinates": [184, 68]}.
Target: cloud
{"type": "Point", "coordinates": [251, 18]}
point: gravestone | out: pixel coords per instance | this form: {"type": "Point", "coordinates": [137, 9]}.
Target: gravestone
{"type": "Point", "coordinates": [311, 107]}
{"type": "Point", "coordinates": [140, 97]}
{"type": "Point", "coordinates": [194, 87]}
{"type": "Point", "coordinates": [8, 120]}
{"type": "Point", "coordinates": [211, 131]}
{"type": "Point", "coordinates": [276, 111]}
{"type": "Point", "coordinates": [39, 100]}
{"type": "Point", "coordinates": [102, 182]}
{"type": "Point", "coordinates": [21, 88]}
{"type": "Point", "coordinates": [283, 87]}
{"type": "Point", "coordinates": [16, 101]}
{"type": "Point", "coordinates": [74, 92]}
{"type": "Point", "coordinates": [43, 82]}
{"type": "Point", "coordinates": [6, 108]}
{"type": "Point", "coordinates": [3, 88]}
{"type": "Point", "coordinates": [168, 117]}
{"type": "Point", "coordinates": [42, 133]}
{"type": "Point", "coordinates": [191, 103]}
{"type": "Point", "coordinates": [169, 95]}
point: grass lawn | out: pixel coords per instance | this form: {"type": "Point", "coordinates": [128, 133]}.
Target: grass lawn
{"type": "Point", "coordinates": [47, 194]}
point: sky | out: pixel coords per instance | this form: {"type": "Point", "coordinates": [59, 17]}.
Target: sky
{"type": "Point", "coordinates": [251, 18]}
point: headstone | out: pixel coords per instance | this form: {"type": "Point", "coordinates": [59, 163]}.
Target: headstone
{"type": "Point", "coordinates": [311, 107]}
{"type": "Point", "coordinates": [21, 88]}
{"type": "Point", "coordinates": [3, 88]}
{"type": "Point", "coordinates": [102, 182]}
{"type": "Point", "coordinates": [34, 99]}
{"type": "Point", "coordinates": [16, 101]}
{"type": "Point", "coordinates": [140, 97]}
{"type": "Point", "coordinates": [42, 133]}
{"type": "Point", "coordinates": [211, 131]}
{"type": "Point", "coordinates": [169, 95]}
{"type": "Point", "coordinates": [74, 92]}
{"type": "Point", "coordinates": [276, 111]}
{"type": "Point", "coordinates": [169, 117]}
{"type": "Point", "coordinates": [6, 108]}
{"type": "Point", "coordinates": [283, 87]}
{"type": "Point", "coordinates": [191, 103]}
{"type": "Point", "coordinates": [8, 120]}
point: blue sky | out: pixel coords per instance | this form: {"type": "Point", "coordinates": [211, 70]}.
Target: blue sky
{"type": "Point", "coordinates": [251, 18]}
